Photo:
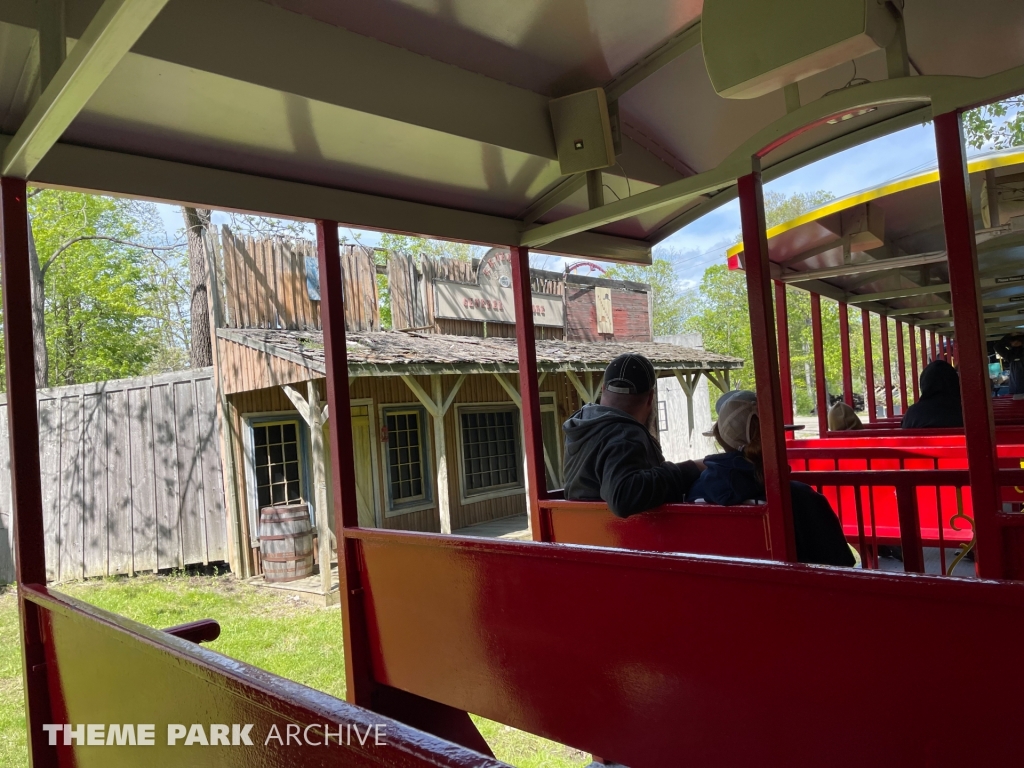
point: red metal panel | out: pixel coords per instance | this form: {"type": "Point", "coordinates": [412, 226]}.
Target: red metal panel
{"type": "Point", "coordinates": [358, 673]}
{"type": "Point", "coordinates": [764, 675]}
{"type": "Point", "coordinates": [528, 388]}
{"type": "Point", "coordinates": [869, 365]}
{"type": "Point", "coordinates": [820, 385]}
{"type": "Point", "coordinates": [105, 669]}
{"type": "Point", "coordinates": [844, 346]}
{"type": "Point", "coordinates": [883, 323]}
{"type": "Point", "coordinates": [914, 372]}
{"type": "Point", "coordinates": [965, 291]}
{"type": "Point", "coordinates": [901, 365]}
{"type": "Point", "coordinates": [785, 372]}
{"type": "Point", "coordinates": [703, 529]}
{"type": "Point", "coordinates": [766, 367]}
{"type": "Point", "coordinates": [23, 434]}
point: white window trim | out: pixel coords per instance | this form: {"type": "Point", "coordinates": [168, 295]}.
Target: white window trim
{"type": "Point", "coordinates": [509, 490]}
{"type": "Point", "coordinates": [548, 404]}
{"type": "Point", "coordinates": [268, 418]}
{"type": "Point", "coordinates": [429, 478]}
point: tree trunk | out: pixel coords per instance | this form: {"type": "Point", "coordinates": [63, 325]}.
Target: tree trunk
{"type": "Point", "coordinates": [196, 223]}
{"type": "Point", "coordinates": [42, 359]}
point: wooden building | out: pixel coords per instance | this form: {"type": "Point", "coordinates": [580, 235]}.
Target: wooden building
{"type": "Point", "coordinates": [435, 404]}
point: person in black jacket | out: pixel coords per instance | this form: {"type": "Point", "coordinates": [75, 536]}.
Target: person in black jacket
{"type": "Point", "coordinates": [1011, 349]}
{"type": "Point", "coordinates": [737, 476]}
{"type": "Point", "coordinates": [610, 451]}
{"type": "Point", "coordinates": [939, 405]}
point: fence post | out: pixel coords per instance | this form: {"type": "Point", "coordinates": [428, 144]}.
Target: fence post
{"type": "Point", "coordinates": [820, 385]}
{"type": "Point", "coordinates": [869, 365]}
{"type": "Point", "coordinates": [975, 387]}
{"type": "Point", "coordinates": [766, 366]}
{"type": "Point", "coordinates": [23, 434]}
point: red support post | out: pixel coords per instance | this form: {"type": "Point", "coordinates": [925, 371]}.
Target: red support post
{"type": "Point", "coordinates": [533, 447]}
{"type": "Point", "coordinates": [844, 348]}
{"type": "Point", "coordinates": [23, 436]}
{"type": "Point", "coordinates": [785, 371]}
{"type": "Point", "coordinates": [886, 363]}
{"type": "Point", "coordinates": [956, 354]}
{"type": "Point", "coordinates": [901, 365]}
{"type": "Point", "coordinates": [869, 365]}
{"type": "Point", "coordinates": [924, 352]}
{"type": "Point", "coordinates": [358, 662]}
{"type": "Point", "coordinates": [820, 384]}
{"type": "Point", "coordinates": [914, 373]}
{"type": "Point", "coordinates": [934, 346]}
{"type": "Point", "coordinates": [766, 367]}
{"type": "Point", "coordinates": [975, 388]}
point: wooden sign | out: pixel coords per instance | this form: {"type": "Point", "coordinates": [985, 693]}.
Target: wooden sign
{"type": "Point", "coordinates": [603, 300]}
{"type": "Point", "coordinates": [493, 304]}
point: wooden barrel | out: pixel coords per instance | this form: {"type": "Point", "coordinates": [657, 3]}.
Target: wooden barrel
{"type": "Point", "coordinates": [286, 543]}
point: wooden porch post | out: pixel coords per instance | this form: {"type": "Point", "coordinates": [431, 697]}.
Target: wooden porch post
{"type": "Point", "coordinates": [529, 389]}
{"type": "Point", "coordinates": [869, 365]}
{"type": "Point", "coordinates": [444, 503]}
{"type": "Point", "coordinates": [766, 367]}
{"type": "Point", "coordinates": [23, 435]}
{"type": "Point", "coordinates": [901, 365]}
{"type": "Point", "coordinates": [844, 346]}
{"type": "Point", "coordinates": [820, 384]}
{"type": "Point", "coordinates": [785, 370]}
{"type": "Point", "coordinates": [975, 389]}
{"type": "Point", "coordinates": [886, 363]}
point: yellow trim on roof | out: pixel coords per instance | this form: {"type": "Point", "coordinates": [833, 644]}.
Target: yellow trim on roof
{"type": "Point", "coordinates": [983, 163]}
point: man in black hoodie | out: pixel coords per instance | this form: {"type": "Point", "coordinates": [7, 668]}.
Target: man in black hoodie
{"type": "Point", "coordinates": [610, 452]}
{"type": "Point", "coordinates": [939, 404]}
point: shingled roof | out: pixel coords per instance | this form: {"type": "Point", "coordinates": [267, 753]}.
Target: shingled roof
{"type": "Point", "coordinates": [390, 353]}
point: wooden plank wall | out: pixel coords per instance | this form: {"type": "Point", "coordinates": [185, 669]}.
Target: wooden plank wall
{"type": "Point", "coordinates": [243, 369]}
{"type": "Point", "coordinates": [391, 390]}
{"type": "Point", "coordinates": [630, 315]}
{"type": "Point", "coordinates": [131, 477]}
{"type": "Point", "coordinates": [265, 283]}
{"type": "Point", "coordinates": [412, 296]}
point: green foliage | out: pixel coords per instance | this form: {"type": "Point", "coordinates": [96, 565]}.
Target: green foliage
{"type": "Point", "coordinates": [780, 208]}
{"type": "Point", "coordinates": [669, 303]}
{"type": "Point", "coordinates": [435, 249]}
{"type": "Point", "coordinates": [998, 126]}
{"type": "Point", "coordinates": [380, 258]}
{"type": "Point", "coordinates": [112, 308]}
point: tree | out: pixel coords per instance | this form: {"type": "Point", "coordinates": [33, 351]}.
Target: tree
{"type": "Point", "coordinates": [998, 126]}
{"type": "Point", "coordinates": [435, 249]}
{"type": "Point", "coordinates": [668, 302]}
{"type": "Point", "coordinates": [99, 286]}
{"type": "Point", "coordinates": [197, 224]}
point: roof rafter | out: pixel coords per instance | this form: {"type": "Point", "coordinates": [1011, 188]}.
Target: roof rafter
{"type": "Point", "coordinates": [110, 34]}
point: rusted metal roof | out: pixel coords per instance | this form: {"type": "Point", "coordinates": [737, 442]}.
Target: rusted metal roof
{"type": "Point", "coordinates": [390, 353]}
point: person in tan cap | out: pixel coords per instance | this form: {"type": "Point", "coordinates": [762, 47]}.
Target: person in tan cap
{"type": "Point", "coordinates": [842, 417]}
{"type": "Point", "coordinates": [737, 477]}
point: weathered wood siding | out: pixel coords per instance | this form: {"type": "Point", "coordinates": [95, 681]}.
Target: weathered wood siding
{"type": "Point", "coordinates": [266, 283]}
{"type": "Point", "coordinates": [243, 369]}
{"type": "Point", "coordinates": [131, 477]}
{"type": "Point", "coordinates": [392, 390]}
{"type": "Point", "coordinates": [631, 315]}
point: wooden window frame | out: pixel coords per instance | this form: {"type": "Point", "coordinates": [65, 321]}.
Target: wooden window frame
{"type": "Point", "coordinates": [391, 508]}
{"type": "Point", "coordinates": [506, 490]}
{"type": "Point", "coordinates": [265, 419]}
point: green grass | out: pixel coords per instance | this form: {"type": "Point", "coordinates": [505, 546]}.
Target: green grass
{"type": "Point", "coordinates": [280, 634]}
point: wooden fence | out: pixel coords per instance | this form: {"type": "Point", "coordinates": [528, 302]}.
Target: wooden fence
{"type": "Point", "coordinates": [275, 283]}
{"type": "Point", "coordinates": [131, 477]}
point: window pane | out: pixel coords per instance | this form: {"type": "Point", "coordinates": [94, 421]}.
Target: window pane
{"type": "Point", "coordinates": [288, 432]}
{"type": "Point", "coordinates": [274, 433]}
{"type": "Point", "coordinates": [490, 449]}
{"type": "Point", "coordinates": [291, 452]}
{"type": "Point", "coordinates": [277, 470]}
{"type": "Point", "coordinates": [259, 435]}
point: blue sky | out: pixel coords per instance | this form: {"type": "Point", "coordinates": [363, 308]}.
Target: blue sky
{"type": "Point", "coordinates": [702, 243]}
